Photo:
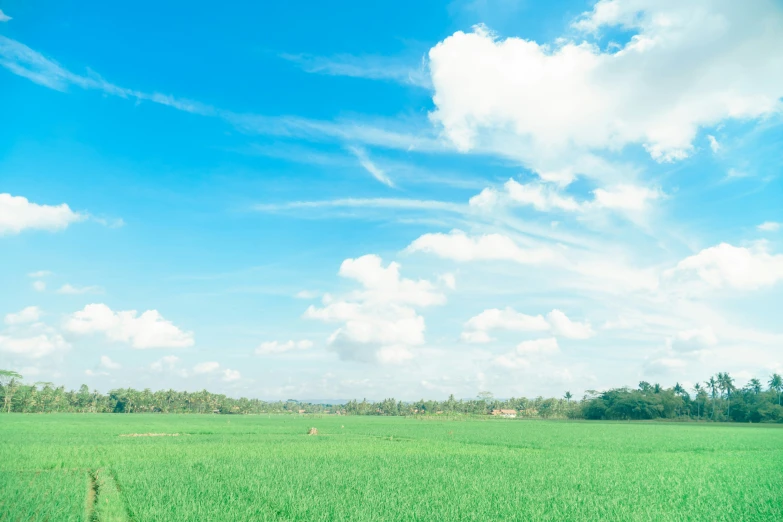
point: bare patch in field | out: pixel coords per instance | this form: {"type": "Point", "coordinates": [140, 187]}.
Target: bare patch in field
{"type": "Point", "coordinates": [150, 435]}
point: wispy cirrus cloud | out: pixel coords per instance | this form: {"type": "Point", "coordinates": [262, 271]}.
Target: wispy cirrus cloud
{"type": "Point", "coordinates": [28, 63]}
{"type": "Point", "coordinates": [399, 70]}
{"type": "Point", "coordinates": [370, 166]}
{"type": "Point", "coordinates": [389, 203]}
{"type": "Point", "coordinates": [69, 289]}
{"type": "Point", "coordinates": [36, 67]}
{"type": "Point", "coordinates": [387, 133]}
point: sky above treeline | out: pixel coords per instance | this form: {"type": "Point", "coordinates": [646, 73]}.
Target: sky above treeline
{"type": "Point", "coordinates": [318, 200]}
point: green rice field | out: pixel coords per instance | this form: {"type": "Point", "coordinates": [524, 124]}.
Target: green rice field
{"type": "Point", "coordinates": [83, 467]}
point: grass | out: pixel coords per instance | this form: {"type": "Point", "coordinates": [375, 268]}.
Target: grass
{"type": "Point", "coordinates": [37, 494]}
{"type": "Point", "coordinates": [78, 467]}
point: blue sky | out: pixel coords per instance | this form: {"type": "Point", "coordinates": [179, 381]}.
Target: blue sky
{"type": "Point", "coordinates": [407, 200]}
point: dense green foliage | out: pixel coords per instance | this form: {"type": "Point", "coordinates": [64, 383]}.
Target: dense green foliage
{"type": "Point", "coordinates": [362, 468]}
{"type": "Point", "coordinates": [716, 400]}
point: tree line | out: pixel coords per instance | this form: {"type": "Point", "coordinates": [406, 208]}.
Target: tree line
{"type": "Point", "coordinates": [717, 399]}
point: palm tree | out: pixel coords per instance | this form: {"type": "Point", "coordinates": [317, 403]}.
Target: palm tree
{"type": "Point", "coordinates": [9, 380]}
{"type": "Point", "coordinates": [712, 385]}
{"type": "Point", "coordinates": [726, 384]}
{"type": "Point", "coordinates": [755, 386]}
{"type": "Point", "coordinates": [698, 389]}
{"type": "Point", "coordinates": [568, 397]}
{"type": "Point", "coordinates": [46, 392]}
{"type": "Point", "coordinates": [776, 383]}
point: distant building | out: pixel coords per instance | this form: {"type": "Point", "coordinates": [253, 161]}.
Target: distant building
{"type": "Point", "coordinates": [508, 414]}
{"type": "Point", "coordinates": [301, 411]}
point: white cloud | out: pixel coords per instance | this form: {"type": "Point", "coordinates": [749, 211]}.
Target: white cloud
{"type": "Point", "coordinates": [458, 246]}
{"type": "Point", "coordinates": [212, 367]}
{"type": "Point", "coordinates": [725, 265]}
{"type": "Point", "coordinates": [78, 290]}
{"type": "Point", "coordinates": [543, 197]}
{"type": "Point", "coordinates": [604, 272]}
{"type": "Point", "coordinates": [379, 322]}
{"type": "Point", "coordinates": [369, 327]}
{"type": "Point", "coordinates": [769, 226]}
{"type": "Point", "coordinates": [206, 367]}
{"type": "Point", "coordinates": [4, 17]}
{"type": "Point", "coordinates": [34, 347]}
{"type": "Point", "coordinates": [369, 166]}
{"type": "Point", "coordinates": [477, 328]}
{"type": "Point", "coordinates": [554, 106]}
{"type": "Point", "coordinates": [511, 361]}
{"type": "Point", "coordinates": [275, 347]}
{"type": "Point", "coordinates": [611, 274]}
{"type": "Point", "coordinates": [29, 314]}
{"type": "Point", "coordinates": [307, 294]}
{"type": "Point", "coordinates": [625, 197]}
{"type": "Point", "coordinates": [476, 337]}
{"type": "Point", "coordinates": [109, 222]}
{"type": "Point", "coordinates": [30, 371]}
{"type": "Point", "coordinates": [449, 279]}
{"type": "Point", "coordinates": [733, 173]}
{"type": "Point", "coordinates": [487, 199]}
{"type": "Point", "coordinates": [385, 284]}
{"type": "Point", "coordinates": [546, 197]}
{"type": "Point", "coordinates": [106, 362]}
{"type": "Point", "coordinates": [714, 145]}
{"type": "Point", "coordinates": [538, 346]}
{"type": "Point", "coordinates": [39, 274]}
{"type": "Point", "coordinates": [692, 346]}
{"type": "Point", "coordinates": [693, 340]}
{"type": "Point", "coordinates": [149, 330]}
{"type": "Point", "coordinates": [168, 362]}
{"type": "Point", "coordinates": [230, 375]}
{"type": "Point", "coordinates": [562, 326]}
{"type": "Point", "coordinates": [91, 373]}
{"type": "Point", "coordinates": [665, 365]}
{"type": "Point", "coordinates": [18, 214]}
{"type": "Point", "coordinates": [39, 286]}
{"type": "Point", "coordinates": [521, 357]}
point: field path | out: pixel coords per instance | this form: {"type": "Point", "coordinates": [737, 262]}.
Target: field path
{"type": "Point", "coordinates": [104, 499]}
